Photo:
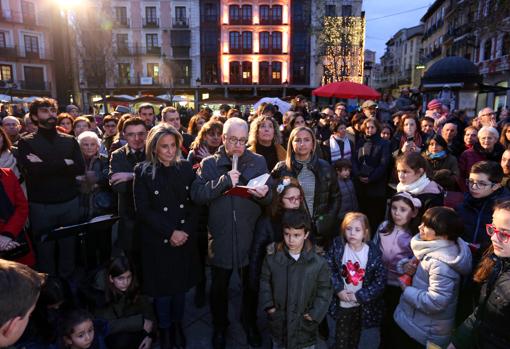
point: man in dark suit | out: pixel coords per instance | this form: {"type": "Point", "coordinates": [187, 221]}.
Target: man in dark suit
{"type": "Point", "coordinates": [121, 176]}
{"type": "Point", "coordinates": [171, 116]}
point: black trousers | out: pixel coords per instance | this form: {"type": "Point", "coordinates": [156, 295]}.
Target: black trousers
{"type": "Point", "coordinates": [220, 279]}
{"type": "Point", "coordinates": [389, 328]}
{"type": "Point", "coordinates": [348, 328]}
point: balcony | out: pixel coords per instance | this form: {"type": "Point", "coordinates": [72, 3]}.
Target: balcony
{"type": "Point", "coordinates": [150, 22]}
{"type": "Point", "coordinates": [271, 51]}
{"type": "Point", "coordinates": [34, 85]}
{"type": "Point", "coordinates": [127, 51]}
{"type": "Point", "coordinates": [180, 23]}
{"type": "Point", "coordinates": [240, 51]}
{"type": "Point", "coordinates": [271, 21]}
{"type": "Point", "coordinates": [180, 52]}
{"type": "Point", "coordinates": [152, 50]}
{"type": "Point", "coordinates": [240, 21]}
{"type": "Point", "coordinates": [121, 23]}
{"type": "Point", "coordinates": [8, 51]}
{"type": "Point", "coordinates": [181, 81]}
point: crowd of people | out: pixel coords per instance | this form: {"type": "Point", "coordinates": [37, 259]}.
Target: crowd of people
{"type": "Point", "coordinates": [392, 223]}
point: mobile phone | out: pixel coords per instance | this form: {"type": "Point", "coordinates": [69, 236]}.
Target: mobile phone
{"type": "Point", "coordinates": [410, 139]}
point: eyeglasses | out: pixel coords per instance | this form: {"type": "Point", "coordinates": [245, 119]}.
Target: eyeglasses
{"type": "Point", "coordinates": [293, 199]}
{"type": "Point", "coordinates": [47, 109]}
{"type": "Point", "coordinates": [135, 134]}
{"type": "Point", "coordinates": [478, 185]}
{"type": "Point", "coordinates": [503, 236]}
{"type": "Point", "coordinates": [488, 114]}
{"type": "Point", "coordinates": [237, 141]}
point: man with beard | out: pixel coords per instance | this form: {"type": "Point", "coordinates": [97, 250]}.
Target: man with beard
{"type": "Point", "coordinates": [50, 162]}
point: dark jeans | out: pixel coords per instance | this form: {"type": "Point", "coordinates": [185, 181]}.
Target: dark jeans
{"type": "Point", "coordinates": [43, 219]}
{"type": "Point", "coordinates": [348, 328]}
{"type": "Point", "coordinates": [403, 341]}
{"type": "Point", "coordinates": [220, 279]}
{"type": "Point", "coordinates": [389, 328]}
{"type": "Point", "coordinates": [170, 309]}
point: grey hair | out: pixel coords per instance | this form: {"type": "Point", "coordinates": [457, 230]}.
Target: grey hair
{"type": "Point", "coordinates": [235, 122]}
{"type": "Point", "coordinates": [88, 134]}
{"type": "Point", "coordinates": [12, 118]}
{"type": "Point", "coordinates": [489, 129]}
{"type": "Point", "coordinates": [153, 138]}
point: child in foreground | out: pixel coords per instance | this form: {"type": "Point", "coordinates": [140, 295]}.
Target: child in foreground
{"type": "Point", "coordinates": [295, 286]}
{"type": "Point", "coordinates": [359, 278]}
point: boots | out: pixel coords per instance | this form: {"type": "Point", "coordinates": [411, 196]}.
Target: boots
{"type": "Point", "coordinates": [165, 338]}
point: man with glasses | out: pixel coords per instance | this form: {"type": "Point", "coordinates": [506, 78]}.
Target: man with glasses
{"type": "Point", "coordinates": [487, 117]}
{"type": "Point", "coordinates": [231, 223]}
{"type": "Point", "coordinates": [50, 162]}
{"type": "Point", "coordinates": [122, 164]}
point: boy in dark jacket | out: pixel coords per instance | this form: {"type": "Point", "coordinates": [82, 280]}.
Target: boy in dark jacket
{"type": "Point", "coordinates": [349, 200]}
{"type": "Point", "coordinates": [295, 286]}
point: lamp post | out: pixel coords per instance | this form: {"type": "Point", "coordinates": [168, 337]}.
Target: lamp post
{"type": "Point", "coordinates": [198, 83]}
{"type": "Point", "coordinates": [285, 85]}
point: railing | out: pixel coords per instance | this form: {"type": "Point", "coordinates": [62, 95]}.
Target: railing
{"type": "Point", "coordinates": [8, 51]}
{"type": "Point", "coordinates": [180, 22]}
{"type": "Point", "coordinates": [271, 21]}
{"type": "Point", "coordinates": [122, 23]}
{"type": "Point", "coordinates": [270, 50]}
{"type": "Point", "coordinates": [150, 22]}
{"type": "Point", "coordinates": [180, 52]}
{"type": "Point", "coordinates": [34, 85]}
{"type": "Point", "coordinates": [126, 51]}
{"type": "Point", "coordinates": [152, 50]}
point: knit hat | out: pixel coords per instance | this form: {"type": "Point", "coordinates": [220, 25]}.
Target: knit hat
{"type": "Point", "coordinates": [434, 104]}
{"type": "Point", "coordinates": [368, 104]}
{"type": "Point", "coordinates": [71, 107]}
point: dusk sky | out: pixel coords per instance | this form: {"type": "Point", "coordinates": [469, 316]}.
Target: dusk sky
{"type": "Point", "coordinates": [379, 30]}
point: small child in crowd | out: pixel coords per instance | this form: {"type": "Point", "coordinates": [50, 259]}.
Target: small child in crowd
{"type": "Point", "coordinates": [295, 286]}
{"type": "Point", "coordinates": [358, 277]}
{"type": "Point", "coordinates": [349, 201]}
{"type": "Point", "coordinates": [77, 332]}
{"type": "Point", "coordinates": [426, 312]}
{"type": "Point", "coordinates": [394, 239]}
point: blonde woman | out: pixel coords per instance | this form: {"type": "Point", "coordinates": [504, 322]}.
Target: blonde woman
{"type": "Point", "coordinates": [265, 139]}
{"type": "Point", "coordinates": [167, 217]}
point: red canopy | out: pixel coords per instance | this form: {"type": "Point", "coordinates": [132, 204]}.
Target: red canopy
{"type": "Point", "coordinates": [346, 89]}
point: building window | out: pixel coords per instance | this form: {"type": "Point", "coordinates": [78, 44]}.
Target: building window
{"type": "Point", "coordinates": [487, 48]}
{"type": "Point", "coordinates": [264, 42]}
{"type": "Point", "coordinates": [124, 73]}
{"type": "Point", "coordinates": [330, 10]}
{"type": "Point", "coordinates": [276, 72]}
{"type": "Point", "coordinates": [180, 12]}
{"type": "Point", "coordinates": [153, 71]}
{"type": "Point", "coordinates": [122, 43]}
{"type": "Point", "coordinates": [151, 40]}
{"type": "Point", "coordinates": [299, 72]}
{"type": "Point", "coordinates": [28, 11]}
{"type": "Point", "coordinates": [276, 14]}
{"type": "Point", "coordinates": [346, 10]}
{"type": "Point", "coordinates": [5, 72]}
{"type": "Point", "coordinates": [505, 45]}
{"type": "Point", "coordinates": [34, 78]}
{"type": "Point", "coordinates": [211, 73]}
{"type": "Point", "coordinates": [3, 42]}
{"type": "Point", "coordinates": [210, 42]}
{"type": "Point", "coordinates": [210, 12]}
{"type": "Point", "coordinates": [247, 16]}
{"type": "Point", "coordinates": [31, 46]}
{"type": "Point", "coordinates": [151, 16]}
{"type": "Point", "coordinates": [264, 14]}
{"type": "Point", "coordinates": [276, 41]}
{"type": "Point", "coordinates": [235, 72]}
{"type": "Point", "coordinates": [234, 42]}
{"type": "Point", "coordinates": [247, 79]}
{"type": "Point", "coordinates": [234, 14]}
{"type": "Point", "coordinates": [121, 15]}
{"type": "Point", "coordinates": [247, 40]}
{"type": "Point", "coordinates": [264, 76]}
{"type": "Point", "coordinates": [299, 42]}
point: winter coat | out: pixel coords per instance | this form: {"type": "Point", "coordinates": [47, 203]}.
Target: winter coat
{"type": "Point", "coordinates": [448, 162]}
{"type": "Point", "coordinates": [371, 159]}
{"type": "Point", "coordinates": [267, 231]}
{"type": "Point", "coordinates": [426, 311]}
{"type": "Point", "coordinates": [487, 327]}
{"type": "Point", "coordinates": [475, 214]}
{"type": "Point", "coordinates": [96, 198]}
{"type": "Point", "coordinates": [295, 288]}
{"type": "Point", "coordinates": [471, 156]}
{"type": "Point", "coordinates": [326, 198]}
{"type": "Point", "coordinates": [122, 314]}
{"type": "Point", "coordinates": [232, 219]}
{"type": "Point", "coordinates": [163, 205]}
{"type": "Point", "coordinates": [431, 196]}
{"type": "Point", "coordinates": [14, 226]}
{"type": "Point", "coordinates": [326, 148]}
{"type": "Point", "coordinates": [374, 281]}
{"type": "Point", "coordinates": [349, 200]}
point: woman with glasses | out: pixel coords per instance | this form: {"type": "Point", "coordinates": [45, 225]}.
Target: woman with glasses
{"type": "Point", "coordinates": [487, 148]}
{"type": "Point", "coordinates": [487, 327]}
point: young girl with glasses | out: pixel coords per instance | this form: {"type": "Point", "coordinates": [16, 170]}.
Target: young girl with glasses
{"type": "Point", "coordinates": [487, 327]}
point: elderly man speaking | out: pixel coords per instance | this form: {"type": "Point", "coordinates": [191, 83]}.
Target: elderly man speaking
{"type": "Point", "coordinates": [231, 220]}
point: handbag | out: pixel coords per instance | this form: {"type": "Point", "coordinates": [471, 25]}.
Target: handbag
{"type": "Point", "coordinates": [22, 250]}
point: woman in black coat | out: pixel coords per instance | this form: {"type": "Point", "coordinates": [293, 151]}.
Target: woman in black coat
{"type": "Point", "coordinates": [167, 217]}
{"type": "Point", "coordinates": [370, 163]}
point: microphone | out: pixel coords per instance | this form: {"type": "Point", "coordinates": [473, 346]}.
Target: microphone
{"type": "Point", "coordinates": [235, 159]}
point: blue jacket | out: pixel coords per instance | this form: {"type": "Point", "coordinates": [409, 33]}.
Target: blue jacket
{"type": "Point", "coordinates": [370, 295]}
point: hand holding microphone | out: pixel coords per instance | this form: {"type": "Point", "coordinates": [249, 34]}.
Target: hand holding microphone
{"type": "Point", "coordinates": [234, 174]}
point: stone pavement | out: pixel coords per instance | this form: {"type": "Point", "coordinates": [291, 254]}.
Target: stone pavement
{"type": "Point", "coordinates": [198, 322]}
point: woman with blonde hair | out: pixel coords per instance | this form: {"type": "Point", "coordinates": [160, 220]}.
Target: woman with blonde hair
{"type": "Point", "coordinates": [167, 218]}
{"type": "Point", "coordinates": [265, 139]}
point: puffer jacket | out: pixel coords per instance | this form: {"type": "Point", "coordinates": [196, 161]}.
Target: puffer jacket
{"type": "Point", "coordinates": [295, 288]}
{"type": "Point", "coordinates": [232, 219]}
{"type": "Point", "coordinates": [374, 281]}
{"type": "Point", "coordinates": [475, 214]}
{"type": "Point", "coordinates": [426, 311]}
{"type": "Point", "coordinates": [487, 327]}
{"type": "Point", "coordinates": [327, 195]}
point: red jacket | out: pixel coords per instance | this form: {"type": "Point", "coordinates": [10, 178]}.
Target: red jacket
{"type": "Point", "coordinates": [14, 226]}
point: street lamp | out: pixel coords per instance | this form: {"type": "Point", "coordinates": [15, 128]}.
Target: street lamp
{"type": "Point", "coordinates": [198, 83]}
